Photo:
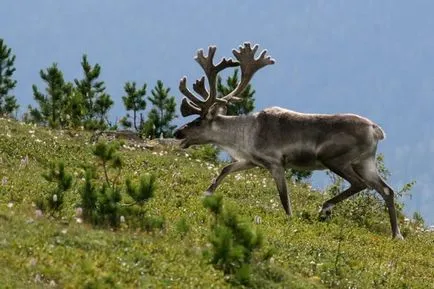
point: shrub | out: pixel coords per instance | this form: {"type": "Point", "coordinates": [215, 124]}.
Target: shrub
{"type": "Point", "coordinates": [208, 153]}
{"type": "Point", "coordinates": [101, 200]}
{"type": "Point", "coordinates": [53, 201]}
{"type": "Point", "coordinates": [233, 242]}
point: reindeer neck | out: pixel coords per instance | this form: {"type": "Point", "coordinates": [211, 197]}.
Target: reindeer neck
{"type": "Point", "coordinates": [232, 131]}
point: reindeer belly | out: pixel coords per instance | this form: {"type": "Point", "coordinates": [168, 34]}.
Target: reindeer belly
{"type": "Point", "coordinates": [302, 160]}
{"type": "Point", "coordinates": [236, 154]}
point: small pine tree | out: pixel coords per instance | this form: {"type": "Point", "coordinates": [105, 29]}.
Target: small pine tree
{"type": "Point", "coordinates": [108, 208]}
{"type": "Point", "coordinates": [247, 104]}
{"type": "Point", "coordinates": [54, 200]}
{"type": "Point", "coordinates": [108, 157]}
{"type": "Point", "coordinates": [142, 193]}
{"type": "Point", "coordinates": [8, 103]}
{"type": "Point", "coordinates": [89, 196]}
{"type": "Point", "coordinates": [101, 204]}
{"type": "Point", "coordinates": [73, 109]}
{"type": "Point", "coordinates": [52, 104]}
{"type": "Point", "coordinates": [162, 112]}
{"type": "Point", "coordinates": [134, 100]}
{"type": "Point", "coordinates": [96, 101]}
{"type": "Point", "coordinates": [233, 242]}
{"type": "Point", "coordinates": [102, 106]}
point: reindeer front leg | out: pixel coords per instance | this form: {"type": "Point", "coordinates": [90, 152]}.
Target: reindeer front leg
{"type": "Point", "coordinates": [233, 167]}
{"type": "Point", "coordinates": [278, 173]}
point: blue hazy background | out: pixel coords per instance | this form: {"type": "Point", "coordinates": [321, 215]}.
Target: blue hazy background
{"type": "Point", "coordinates": [374, 58]}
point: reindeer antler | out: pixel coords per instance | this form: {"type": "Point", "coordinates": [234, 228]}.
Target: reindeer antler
{"type": "Point", "coordinates": [246, 60]}
{"type": "Point", "coordinates": [249, 65]}
{"type": "Point", "coordinates": [192, 104]}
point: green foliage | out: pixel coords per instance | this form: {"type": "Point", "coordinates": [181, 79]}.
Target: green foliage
{"type": "Point", "coordinates": [102, 201]}
{"type": "Point", "coordinates": [96, 101]}
{"type": "Point", "coordinates": [8, 103]}
{"type": "Point", "coordinates": [102, 106]}
{"type": "Point", "coordinates": [108, 157]}
{"type": "Point", "coordinates": [144, 191]}
{"type": "Point", "coordinates": [53, 103]}
{"type": "Point", "coordinates": [101, 204]}
{"type": "Point", "coordinates": [208, 153]}
{"type": "Point", "coordinates": [54, 200]}
{"type": "Point", "coordinates": [89, 197]}
{"type": "Point", "coordinates": [73, 110]}
{"type": "Point", "coordinates": [134, 101]}
{"type": "Point", "coordinates": [418, 219]}
{"type": "Point", "coordinates": [182, 227]}
{"type": "Point", "coordinates": [108, 206]}
{"type": "Point", "coordinates": [67, 106]}
{"type": "Point", "coordinates": [214, 204]}
{"type": "Point", "coordinates": [247, 104]}
{"type": "Point", "coordinates": [161, 114]}
{"type": "Point", "coordinates": [233, 242]}
{"type": "Point", "coordinates": [298, 176]}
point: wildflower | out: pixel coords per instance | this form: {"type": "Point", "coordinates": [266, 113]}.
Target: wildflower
{"type": "Point", "coordinates": [31, 131]}
{"type": "Point", "coordinates": [38, 213]}
{"type": "Point", "coordinates": [78, 212]}
{"type": "Point", "coordinates": [122, 219]}
{"type": "Point", "coordinates": [24, 161]}
{"type": "Point", "coordinates": [55, 198]}
{"type": "Point", "coordinates": [79, 220]}
{"type": "Point", "coordinates": [10, 205]}
{"type": "Point", "coordinates": [38, 278]}
{"type": "Point", "coordinates": [33, 262]}
{"type": "Point", "coordinates": [258, 220]}
{"type": "Point", "coordinates": [64, 231]}
{"type": "Point", "coordinates": [4, 181]}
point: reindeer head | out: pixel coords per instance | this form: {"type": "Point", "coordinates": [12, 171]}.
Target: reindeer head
{"type": "Point", "coordinates": [210, 107]}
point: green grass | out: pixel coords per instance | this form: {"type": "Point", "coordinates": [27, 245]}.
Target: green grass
{"type": "Point", "coordinates": [42, 252]}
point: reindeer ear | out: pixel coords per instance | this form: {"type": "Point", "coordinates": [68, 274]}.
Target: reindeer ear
{"type": "Point", "coordinates": [216, 109]}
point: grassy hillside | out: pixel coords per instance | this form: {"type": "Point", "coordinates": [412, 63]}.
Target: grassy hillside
{"type": "Point", "coordinates": [41, 251]}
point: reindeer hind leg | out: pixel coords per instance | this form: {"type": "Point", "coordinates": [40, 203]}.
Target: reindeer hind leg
{"type": "Point", "coordinates": [356, 185]}
{"type": "Point", "coordinates": [368, 171]}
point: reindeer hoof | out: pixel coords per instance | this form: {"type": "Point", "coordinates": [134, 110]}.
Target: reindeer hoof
{"type": "Point", "coordinates": [325, 212]}
{"type": "Point", "coordinates": [398, 237]}
{"type": "Point", "coordinates": [324, 215]}
{"type": "Point", "coordinates": [207, 194]}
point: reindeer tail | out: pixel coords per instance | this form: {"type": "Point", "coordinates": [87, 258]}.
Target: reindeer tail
{"type": "Point", "coordinates": [379, 133]}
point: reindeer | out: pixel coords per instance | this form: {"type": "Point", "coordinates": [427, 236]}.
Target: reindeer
{"type": "Point", "coordinates": [277, 138]}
